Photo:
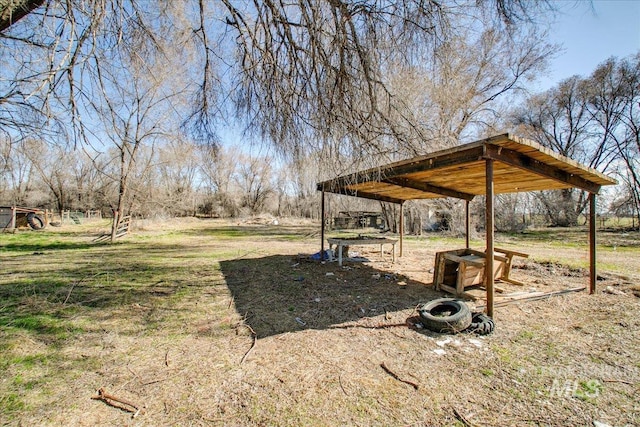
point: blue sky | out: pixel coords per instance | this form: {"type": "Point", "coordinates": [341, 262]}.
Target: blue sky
{"type": "Point", "coordinates": [591, 33]}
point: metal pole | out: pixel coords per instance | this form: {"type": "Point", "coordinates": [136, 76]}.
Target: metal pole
{"type": "Point", "coordinates": [489, 216]}
{"type": "Point", "coordinates": [592, 243]}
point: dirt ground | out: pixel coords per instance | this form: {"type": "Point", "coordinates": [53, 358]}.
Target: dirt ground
{"type": "Point", "coordinates": [214, 323]}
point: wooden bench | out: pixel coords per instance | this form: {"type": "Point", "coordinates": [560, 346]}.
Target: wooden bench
{"type": "Point", "coordinates": [458, 269]}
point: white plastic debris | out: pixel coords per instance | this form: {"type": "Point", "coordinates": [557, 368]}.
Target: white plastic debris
{"type": "Point", "coordinates": [439, 351]}
{"type": "Point", "coordinates": [443, 342]}
{"type": "Point", "coordinates": [476, 343]}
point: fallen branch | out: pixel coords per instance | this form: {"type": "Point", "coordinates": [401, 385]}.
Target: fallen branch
{"type": "Point", "coordinates": [606, 380]}
{"type": "Point", "coordinates": [161, 379]}
{"type": "Point", "coordinates": [395, 376]}
{"type": "Point", "coordinates": [341, 386]}
{"type": "Point", "coordinates": [110, 399]}
{"type": "Point", "coordinates": [378, 326]}
{"type": "Point", "coordinates": [253, 344]}
{"type": "Point", "coordinates": [76, 284]}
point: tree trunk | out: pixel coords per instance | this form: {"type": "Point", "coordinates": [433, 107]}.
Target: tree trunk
{"type": "Point", "coordinates": [13, 10]}
{"type": "Point", "coordinates": [389, 212]}
{"type": "Point", "coordinates": [122, 190]}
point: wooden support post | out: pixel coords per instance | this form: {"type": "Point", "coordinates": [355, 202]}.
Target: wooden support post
{"type": "Point", "coordinates": [592, 243]}
{"type": "Point", "coordinates": [489, 217]}
{"type": "Point", "coordinates": [322, 222]}
{"type": "Point", "coordinates": [466, 222]}
{"type": "Point", "coordinates": [401, 226]}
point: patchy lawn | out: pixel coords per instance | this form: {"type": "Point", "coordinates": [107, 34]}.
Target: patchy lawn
{"type": "Point", "coordinates": [219, 323]}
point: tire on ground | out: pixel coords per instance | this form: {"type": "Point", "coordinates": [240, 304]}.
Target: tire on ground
{"type": "Point", "coordinates": [481, 324]}
{"type": "Point", "coordinates": [445, 315]}
{"type": "Point", "coordinates": [35, 221]}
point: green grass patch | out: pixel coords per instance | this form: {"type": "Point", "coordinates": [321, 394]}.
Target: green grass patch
{"type": "Point", "coordinates": [47, 324]}
{"type": "Point", "coordinates": [42, 241]}
{"type": "Point", "coordinates": [27, 361]}
{"type": "Point", "coordinates": [11, 403]}
{"type": "Point", "coordinates": [525, 336]}
{"type": "Point", "coordinates": [487, 372]}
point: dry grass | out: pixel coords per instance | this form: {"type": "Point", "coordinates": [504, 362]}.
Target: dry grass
{"type": "Point", "coordinates": [164, 319]}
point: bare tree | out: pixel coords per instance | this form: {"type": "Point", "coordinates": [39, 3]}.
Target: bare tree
{"type": "Point", "coordinates": [40, 52]}
{"type": "Point", "coordinates": [5, 166]}
{"type": "Point", "coordinates": [90, 186]}
{"type": "Point", "coordinates": [559, 119]}
{"type": "Point", "coordinates": [463, 92]}
{"type": "Point", "coordinates": [306, 72]}
{"type": "Point", "coordinates": [134, 109]}
{"type": "Point", "coordinates": [218, 168]}
{"type": "Point", "coordinates": [16, 175]}
{"type": "Point", "coordinates": [177, 168]}
{"type": "Point", "coordinates": [593, 120]}
{"type": "Point", "coordinates": [314, 75]}
{"type": "Point", "coordinates": [614, 104]}
{"type": "Point", "coordinates": [53, 165]}
{"type": "Point", "coordinates": [254, 180]}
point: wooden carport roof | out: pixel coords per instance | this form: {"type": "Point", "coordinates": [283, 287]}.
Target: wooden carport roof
{"type": "Point", "coordinates": [460, 172]}
{"type": "Point", "coordinates": [497, 165]}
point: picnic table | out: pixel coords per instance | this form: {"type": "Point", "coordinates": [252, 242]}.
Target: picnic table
{"type": "Point", "coordinates": [341, 243]}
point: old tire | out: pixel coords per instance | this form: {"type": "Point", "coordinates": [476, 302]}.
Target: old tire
{"type": "Point", "coordinates": [481, 324]}
{"type": "Point", "coordinates": [445, 315]}
{"type": "Point", "coordinates": [35, 221]}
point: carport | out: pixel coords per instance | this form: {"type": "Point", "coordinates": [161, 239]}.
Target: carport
{"type": "Point", "coordinates": [496, 165]}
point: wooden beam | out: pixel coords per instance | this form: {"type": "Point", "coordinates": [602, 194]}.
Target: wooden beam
{"type": "Point", "coordinates": [489, 217]}
{"type": "Point", "coordinates": [429, 188]}
{"type": "Point", "coordinates": [362, 194]}
{"type": "Point", "coordinates": [322, 213]}
{"type": "Point", "coordinates": [525, 162]}
{"type": "Point", "coordinates": [455, 157]}
{"type": "Point", "coordinates": [451, 157]}
{"type": "Point", "coordinates": [593, 277]}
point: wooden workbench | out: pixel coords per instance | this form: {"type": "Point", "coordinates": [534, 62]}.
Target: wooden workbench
{"type": "Point", "coordinates": [363, 240]}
